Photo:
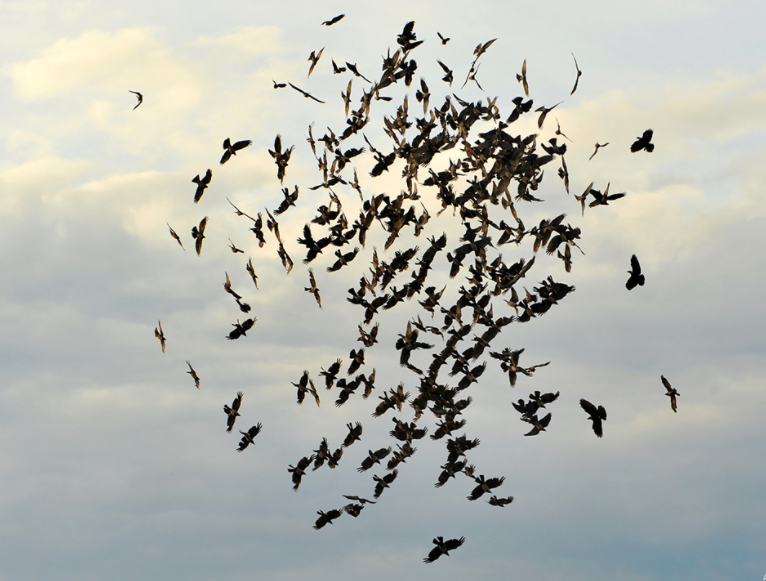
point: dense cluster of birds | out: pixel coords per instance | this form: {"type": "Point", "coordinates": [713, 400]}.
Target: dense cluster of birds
{"type": "Point", "coordinates": [495, 173]}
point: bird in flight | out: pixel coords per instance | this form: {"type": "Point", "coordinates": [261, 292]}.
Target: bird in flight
{"type": "Point", "coordinates": [598, 145]}
{"type": "Point", "coordinates": [313, 288]}
{"type": "Point", "coordinates": [140, 98]}
{"type": "Point", "coordinates": [579, 74]}
{"type": "Point", "coordinates": [202, 184]}
{"type": "Point", "coordinates": [636, 278]}
{"type": "Point", "coordinates": [230, 149]}
{"type": "Point", "coordinates": [672, 393]}
{"type": "Point", "coordinates": [160, 335]}
{"type": "Point", "coordinates": [522, 78]}
{"type": "Point", "coordinates": [247, 437]}
{"type": "Point", "coordinates": [333, 20]}
{"type": "Point", "coordinates": [193, 373]}
{"type": "Point", "coordinates": [304, 93]}
{"type": "Point", "coordinates": [174, 235]}
{"type": "Point", "coordinates": [314, 58]}
{"type": "Point", "coordinates": [198, 233]}
{"type": "Point", "coordinates": [443, 548]}
{"type": "Point", "coordinates": [597, 415]}
{"type": "Point", "coordinates": [643, 142]}
{"type": "Point", "coordinates": [444, 40]}
{"type": "Point", "coordinates": [278, 85]}
{"type": "Point", "coordinates": [447, 78]}
{"type": "Point", "coordinates": [233, 411]}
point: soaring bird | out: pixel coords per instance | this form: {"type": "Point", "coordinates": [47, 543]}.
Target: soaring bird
{"type": "Point", "coordinates": [300, 470]}
{"type": "Point", "coordinates": [233, 411]}
{"type": "Point", "coordinates": [313, 288]}
{"type": "Point", "coordinates": [579, 74]}
{"type": "Point", "coordinates": [174, 235]}
{"type": "Point", "coordinates": [643, 142]}
{"type": "Point", "coordinates": [140, 98]}
{"type": "Point", "coordinates": [326, 518]}
{"type": "Point", "coordinates": [193, 373]}
{"type": "Point", "coordinates": [598, 145]}
{"type": "Point", "coordinates": [247, 437]}
{"type": "Point", "coordinates": [160, 335]}
{"type": "Point", "coordinates": [202, 184]}
{"type": "Point", "coordinates": [597, 415]}
{"type": "Point", "coordinates": [672, 393]}
{"type": "Point", "coordinates": [333, 20]}
{"type": "Point", "coordinates": [522, 78]}
{"type": "Point", "coordinates": [636, 278]}
{"type": "Point", "coordinates": [241, 329]}
{"type": "Point", "coordinates": [314, 58]}
{"type": "Point", "coordinates": [198, 233]}
{"type": "Point", "coordinates": [443, 548]}
{"type": "Point", "coordinates": [304, 93]}
{"type": "Point", "coordinates": [230, 149]}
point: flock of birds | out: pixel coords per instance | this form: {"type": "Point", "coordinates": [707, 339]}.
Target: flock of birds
{"type": "Point", "coordinates": [498, 171]}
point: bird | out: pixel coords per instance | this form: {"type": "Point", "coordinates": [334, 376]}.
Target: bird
{"type": "Point", "coordinates": [384, 482]}
{"type": "Point", "coordinates": [522, 78]}
{"type": "Point", "coordinates": [359, 499]}
{"type": "Point", "coordinates": [545, 111]}
{"type": "Point", "coordinates": [443, 548]}
{"type": "Point", "coordinates": [304, 93]}
{"type": "Point", "coordinates": [495, 501]}
{"type": "Point", "coordinates": [251, 272]}
{"type": "Point", "coordinates": [597, 416]}
{"type": "Point", "coordinates": [202, 184]}
{"type": "Point", "coordinates": [247, 437]}
{"type": "Point", "coordinates": [313, 288]}
{"type": "Point", "coordinates": [278, 85]}
{"type": "Point", "coordinates": [598, 145]}
{"type": "Point", "coordinates": [174, 235]}
{"type": "Point", "coordinates": [559, 132]}
{"type": "Point", "coordinates": [299, 471]}
{"type": "Point", "coordinates": [636, 278]}
{"type": "Point", "coordinates": [447, 78]}
{"type": "Point", "coordinates": [193, 373]}
{"type": "Point", "coordinates": [444, 40]}
{"type": "Point", "coordinates": [140, 98]}
{"type": "Point", "coordinates": [160, 335]}
{"type": "Point", "coordinates": [233, 411]}
{"type": "Point", "coordinates": [643, 142]}
{"type": "Point", "coordinates": [198, 233]}
{"type": "Point", "coordinates": [672, 393]}
{"type": "Point", "coordinates": [338, 70]}
{"type": "Point", "coordinates": [326, 518]}
{"type": "Point", "coordinates": [240, 329]}
{"type": "Point", "coordinates": [234, 249]}
{"type": "Point", "coordinates": [579, 74]}
{"type": "Point", "coordinates": [333, 20]}
{"type": "Point", "coordinates": [233, 149]}
{"type": "Point", "coordinates": [314, 58]}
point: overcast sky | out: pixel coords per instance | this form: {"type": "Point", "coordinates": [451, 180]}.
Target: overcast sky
{"type": "Point", "coordinates": [113, 466]}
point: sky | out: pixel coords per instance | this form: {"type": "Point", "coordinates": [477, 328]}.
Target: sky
{"type": "Point", "coordinates": [114, 466]}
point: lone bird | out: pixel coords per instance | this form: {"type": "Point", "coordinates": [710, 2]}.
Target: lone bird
{"type": "Point", "coordinates": [333, 20]}
{"type": "Point", "coordinates": [443, 548]}
{"type": "Point", "coordinates": [643, 142]}
{"type": "Point", "coordinates": [636, 278]}
{"type": "Point", "coordinates": [672, 393]}
{"type": "Point", "coordinates": [160, 335]}
{"type": "Point", "coordinates": [230, 149]}
{"type": "Point", "coordinates": [140, 98]}
{"type": "Point", "coordinates": [579, 74]}
{"type": "Point", "coordinates": [247, 437]}
{"type": "Point", "coordinates": [597, 415]}
{"type": "Point", "coordinates": [233, 411]}
{"type": "Point", "coordinates": [176, 236]}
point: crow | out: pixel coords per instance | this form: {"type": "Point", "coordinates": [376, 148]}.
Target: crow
{"type": "Point", "coordinates": [198, 233]}
{"type": "Point", "coordinates": [643, 142]}
{"type": "Point", "coordinates": [443, 548]}
{"type": "Point", "coordinates": [314, 58]}
{"type": "Point", "coordinates": [495, 501]}
{"type": "Point", "coordinates": [300, 470]}
{"type": "Point", "coordinates": [354, 434]}
{"type": "Point", "coordinates": [247, 437]}
{"type": "Point", "coordinates": [636, 278]}
{"type": "Point", "coordinates": [326, 518]}
{"type": "Point", "coordinates": [241, 329]}
{"type": "Point", "coordinates": [304, 93]}
{"type": "Point", "coordinates": [597, 416]}
{"type": "Point", "coordinates": [278, 85]}
{"type": "Point", "coordinates": [598, 145]}
{"type": "Point", "coordinates": [444, 40]}
{"type": "Point", "coordinates": [202, 184]}
{"type": "Point", "coordinates": [383, 483]}
{"type": "Point", "coordinates": [313, 288]}
{"type": "Point", "coordinates": [230, 149]}
{"type": "Point", "coordinates": [233, 411]}
{"type": "Point", "coordinates": [522, 78]}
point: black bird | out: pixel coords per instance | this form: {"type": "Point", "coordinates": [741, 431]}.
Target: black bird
{"type": "Point", "coordinates": [299, 471]}
{"type": "Point", "coordinates": [545, 111]}
{"type": "Point", "coordinates": [233, 411]}
{"type": "Point", "coordinates": [579, 74]}
{"type": "Point", "coordinates": [314, 58]}
{"type": "Point", "coordinates": [374, 458]}
{"type": "Point", "coordinates": [174, 235]}
{"type": "Point", "coordinates": [306, 385]}
{"type": "Point", "coordinates": [202, 184]}
{"type": "Point", "coordinates": [331, 374]}
{"type": "Point", "coordinates": [247, 437]}
{"type": "Point", "coordinates": [484, 486]}
{"type": "Point", "coordinates": [672, 393]}
{"type": "Point", "coordinates": [241, 329]}
{"type": "Point", "coordinates": [282, 158]}
{"type": "Point", "coordinates": [198, 233]}
{"type": "Point", "coordinates": [193, 373]}
{"type": "Point", "coordinates": [230, 149]}
{"type": "Point", "coordinates": [359, 499]}
{"type": "Point", "coordinates": [597, 415]}
{"type": "Point", "coordinates": [444, 40]}
{"type": "Point", "coordinates": [278, 85]}
{"type": "Point", "coordinates": [598, 145]}
{"type": "Point", "coordinates": [636, 278]}
{"type": "Point", "coordinates": [495, 501]}
{"type": "Point", "coordinates": [443, 548]}
{"type": "Point", "coordinates": [383, 483]}
{"type": "Point", "coordinates": [251, 272]}
{"type": "Point", "coordinates": [333, 20]}
{"type": "Point", "coordinates": [326, 518]}
{"type": "Point", "coordinates": [313, 288]}
{"type": "Point", "coordinates": [338, 70]}
{"type": "Point", "coordinates": [447, 78]}
{"type": "Point", "coordinates": [140, 98]}
{"type": "Point", "coordinates": [354, 434]}
{"type": "Point", "coordinates": [160, 335]}
{"type": "Point", "coordinates": [304, 93]}
{"type": "Point", "coordinates": [643, 142]}
{"type": "Point", "coordinates": [522, 78]}
{"type": "Point", "coordinates": [352, 68]}
{"type": "Point", "coordinates": [234, 249]}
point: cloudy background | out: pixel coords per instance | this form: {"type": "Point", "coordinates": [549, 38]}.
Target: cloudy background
{"type": "Point", "coordinates": [113, 466]}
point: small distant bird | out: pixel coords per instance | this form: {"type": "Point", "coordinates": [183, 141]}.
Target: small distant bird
{"type": "Point", "coordinates": [234, 249]}
{"type": "Point", "coordinates": [278, 85]}
{"type": "Point", "coordinates": [299, 471]}
{"type": "Point", "coordinates": [313, 288]}
{"type": "Point", "coordinates": [160, 335]}
{"type": "Point", "coordinates": [233, 149]}
{"type": "Point", "coordinates": [672, 393]}
{"type": "Point", "coordinates": [174, 235]}
{"type": "Point", "coordinates": [443, 548]}
{"type": "Point", "coordinates": [247, 437]}
{"type": "Point", "coordinates": [495, 501]}
{"type": "Point", "coordinates": [579, 74]}
{"type": "Point", "coordinates": [193, 373]}
{"type": "Point", "coordinates": [447, 78]}
{"type": "Point", "coordinates": [636, 278]}
{"type": "Point", "coordinates": [643, 142]}
{"type": "Point", "coordinates": [198, 233]}
{"type": "Point", "coordinates": [140, 98]}
{"type": "Point", "coordinates": [597, 415]}
{"type": "Point", "coordinates": [338, 70]}
{"type": "Point", "coordinates": [314, 58]}
{"type": "Point", "coordinates": [233, 411]}
{"type": "Point", "coordinates": [202, 185]}
{"type": "Point", "coordinates": [559, 132]}
{"type": "Point", "coordinates": [598, 145]}
{"type": "Point", "coordinates": [522, 78]}
{"type": "Point", "coordinates": [333, 20]}
{"type": "Point", "coordinates": [241, 329]}
{"type": "Point", "coordinates": [326, 518]}
{"type": "Point", "coordinates": [444, 40]}
{"type": "Point", "coordinates": [304, 93]}
{"type": "Point", "coordinates": [251, 272]}
{"type": "Point", "coordinates": [545, 111]}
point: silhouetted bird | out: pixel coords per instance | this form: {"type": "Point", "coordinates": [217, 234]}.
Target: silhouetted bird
{"type": "Point", "coordinates": [597, 416]}
{"type": "Point", "coordinates": [160, 335]}
{"type": "Point", "coordinates": [193, 373]}
{"type": "Point", "coordinates": [241, 329]}
{"type": "Point", "coordinates": [522, 78]}
{"type": "Point", "coordinates": [202, 184]}
{"type": "Point", "coordinates": [140, 98]}
{"type": "Point", "coordinates": [299, 471]}
{"type": "Point", "coordinates": [279, 85]}
{"type": "Point", "coordinates": [304, 93]}
{"type": "Point", "coordinates": [643, 142]}
{"type": "Point", "coordinates": [326, 518]}
{"type": "Point", "coordinates": [233, 411]}
{"type": "Point", "coordinates": [198, 233]}
{"type": "Point", "coordinates": [313, 288]}
{"type": "Point", "coordinates": [247, 437]}
{"type": "Point", "coordinates": [314, 58]}
{"type": "Point", "coordinates": [443, 548]}
{"type": "Point", "coordinates": [672, 393]}
{"type": "Point", "coordinates": [495, 501]}
{"type": "Point", "coordinates": [333, 20]}
{"type": "Point", "coordinates": [598, 146]}
{"type": "Point", "coordinates": [579, 74]}
{"type": "Point", "coordinates": [444, 40]}
{"type": "Point", "coordinates": [174, 235]}
{"type": "Point", "coordinates": [233, 149]}
{"type": "Point", "coordinates": [636, 278]}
